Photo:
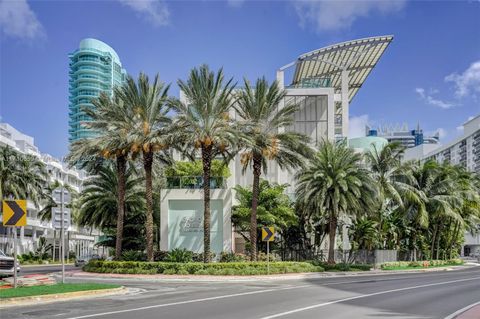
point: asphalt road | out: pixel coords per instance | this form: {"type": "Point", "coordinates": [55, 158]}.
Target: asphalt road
{"type": "Point", "coordinates": [44, 269]}
{"type": "Point", "coordinates": [401, 296]}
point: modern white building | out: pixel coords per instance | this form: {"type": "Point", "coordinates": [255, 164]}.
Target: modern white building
{"type": "Point", "coordinates": [79, 240]}
{"type": "Point", "coordinates": [464, 151]}
{"type": "Point", "coordinates": [323, 82]}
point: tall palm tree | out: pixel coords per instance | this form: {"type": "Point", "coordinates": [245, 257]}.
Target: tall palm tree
{"type": "Point", "coordinates": [110, 142]}
{"type": "Point", "coordinates": [147, 125]}
{"type": "Point", "coordinates": [336, 183]}
{"type": "Point", "coordinates": [203, 123]}
{"type": "Point", "coordinates": [262, 121]}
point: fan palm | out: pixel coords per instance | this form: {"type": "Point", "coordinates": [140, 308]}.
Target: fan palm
{"type": "Point", "coordinates": [336, 183]}
{"type": "Point", "coordinates": [110, 142]}
{"type": "Point", "coordinates": [263, 120]}
{"type": "Point", "coordinates": [147, 126]}
{"type": "Point", "coordinates": [203, 123]}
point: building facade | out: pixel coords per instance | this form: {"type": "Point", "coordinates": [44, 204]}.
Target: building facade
{"type": "Point", "coordinates": [79, 240]}
{"type": "Point", "coordinates": [408, 138]}
{"type": "Point", "coordinates": [94, 67]}
{"type": "Point", "coordinates": [463, 151]}
{"type": "Point", "coordinates": [323, 83]}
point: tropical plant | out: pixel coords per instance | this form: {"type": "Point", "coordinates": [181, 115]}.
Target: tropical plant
{"type": "Point", "coordinates": [146, 128]}
{"type": "Point", "coordinates": [336, 183]}
{"type": "Point", "coordinates": [274, 208]}
{"type": "Point", "coordinates": [110, 142]}
{"type": "Point", "coordinates": [203, 124]}
{"type": "Point", "coordinates": [263, 120]}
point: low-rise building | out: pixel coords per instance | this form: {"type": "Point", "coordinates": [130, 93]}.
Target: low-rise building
{"type": "Point", "coordinates": [403, 135]}
{"type": "Point", "coordinates": [79, 240]}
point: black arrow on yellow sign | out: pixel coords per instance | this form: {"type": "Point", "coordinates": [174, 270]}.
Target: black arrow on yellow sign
{"type": "Point", "coordinates": [16, 215]}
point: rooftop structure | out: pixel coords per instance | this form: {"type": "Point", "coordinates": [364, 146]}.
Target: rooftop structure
{"type": "Point", "coordinates": [344, 67]}
{"type": "Point", "coordinates": [403, 135]}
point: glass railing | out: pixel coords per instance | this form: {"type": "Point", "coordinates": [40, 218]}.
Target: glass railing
{"type": "Point", "coordinates": [194, 182]}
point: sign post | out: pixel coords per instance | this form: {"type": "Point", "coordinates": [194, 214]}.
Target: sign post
{"type": "Point", "coordinates": [268, 235]}
{"type": "Point", "coordinates": [15, 215]}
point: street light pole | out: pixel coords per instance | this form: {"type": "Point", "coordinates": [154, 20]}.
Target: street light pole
{"type": "Point", "coordinates": [62, 235]}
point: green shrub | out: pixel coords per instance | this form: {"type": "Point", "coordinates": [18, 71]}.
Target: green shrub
{"type": "Point", "coordinates": [134, 255]}
{"type": "Point", "coordinates": [160, 255]}
{"type": "Point", "coordinates": [179, 255]}
{"type": "Point", "coordinates": [421, 264]}
{"type": "Point", "coordinates": [227, 269]}
{"type": "Point", "coordinates": [229, 257]}
{"type": "Point", "coordinates": [342, 266]}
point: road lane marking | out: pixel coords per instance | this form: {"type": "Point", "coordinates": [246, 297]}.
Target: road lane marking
{"type": "Point", "coordinates": [189, 301]}
{"type": "Point", "coordinates": [281, 314]}
{"type": "Point", "coordinates": [460, 311]}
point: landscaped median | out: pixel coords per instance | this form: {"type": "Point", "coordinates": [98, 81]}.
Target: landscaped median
{"type": "Point", "coordinates": [196, 268]}
{"type": "Point", "coordinates": [423, 264]}
{"type": "Point", "coordinates": [57, 289]}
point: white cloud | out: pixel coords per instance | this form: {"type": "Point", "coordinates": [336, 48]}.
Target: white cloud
{"type": "Point", "coordinates": [335, 15]}
{"type": "Point", "coordinates": [429, 99]}
{"type": "Point", "coordinates": [468, 82]}
{"type": "Point", "coordinates": [17, 20]}
{"type": "Point", "coordinates": [235, 3]}
{"type": "Point", "coordinates": [357, 124]}
{"type": "Point", "coordinates": [154, 11]}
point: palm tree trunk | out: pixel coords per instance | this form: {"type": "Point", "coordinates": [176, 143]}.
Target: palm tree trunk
{"type": "Point", "coordinates": [434, 240]}
{"type": "Point", "coordinates": [331, 237]}
{"type": "Point", "coordinates": [257, 170]}
{"type": "Point", "coordinates": [147, 166]}
{"type": "Point", "coordinates": [438, 242]}
{"type": "Point", "coordinates": [121, 168]}
{"type": "Point", "coordinates": [207, 165]}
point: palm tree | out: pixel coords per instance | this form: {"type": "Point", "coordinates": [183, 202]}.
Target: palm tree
{"type": "Point", "coordinates": [392, 178]}
{"type": "Point", "coordinates": [99, 199]}
{"type": "Point", "coordinates": [146, 125]}
{"type": "Point", "coordinates": [336, 183]}
{"type": "Point", "coordinates": [21, 176]}
{"type": "Point", "coordinates": [203, 123]}
{"type": "Point", "coordinates": [110, 142]}
{"type": "Point", "coordinates": [262, 119]}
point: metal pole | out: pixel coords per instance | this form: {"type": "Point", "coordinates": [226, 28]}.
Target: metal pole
{"type": "Point", "coordinates": [268, 257]}
{"type": "Point", "coordinates": [14, 257]}
{"type": "Point", "coordinates": [62, 236]}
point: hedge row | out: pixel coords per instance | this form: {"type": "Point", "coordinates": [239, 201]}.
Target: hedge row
{"type": "Point", "coordinates": [421, 264]}
{"type": "Point", "coordinates": [169, 268]}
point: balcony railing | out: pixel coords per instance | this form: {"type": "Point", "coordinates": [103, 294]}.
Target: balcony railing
{"type": "Point", "coordinates": [194, 182]}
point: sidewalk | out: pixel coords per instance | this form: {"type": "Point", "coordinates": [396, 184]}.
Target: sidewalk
{"type": "Point", "coordinates": [469, 312]}
{"type": "Point", "coordinates": [294, 276]}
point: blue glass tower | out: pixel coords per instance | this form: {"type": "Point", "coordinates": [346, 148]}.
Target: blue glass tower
{"type": "Point", "coordinates": [94, 67]}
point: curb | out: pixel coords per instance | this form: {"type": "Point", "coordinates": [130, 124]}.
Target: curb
{"type": "Point", "coordinates": [32, 300]}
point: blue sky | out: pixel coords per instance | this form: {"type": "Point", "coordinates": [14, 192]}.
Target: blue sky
{"type": "Point", "coordinates": [430, 74]}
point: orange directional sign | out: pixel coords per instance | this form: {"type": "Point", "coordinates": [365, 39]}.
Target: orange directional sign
{"type": "Point", "coordinates": [15, 212]}
{"type": "Point", "coordinates": [268, 233]}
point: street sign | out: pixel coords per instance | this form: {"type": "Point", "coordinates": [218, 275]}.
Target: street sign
{"type": "Point", "coordinates": [268, 233]}
{"type": "Point", "coordinates": [15, 213]}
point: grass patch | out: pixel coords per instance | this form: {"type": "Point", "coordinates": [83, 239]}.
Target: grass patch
{"type": "Point", "coordinates": [52, 289]}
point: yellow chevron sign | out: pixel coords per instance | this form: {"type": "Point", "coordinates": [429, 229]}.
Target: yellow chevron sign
{"type": "Point", "coordinates": [268, 233]}
{"type": "Point", "coordinates": [15, 212]}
